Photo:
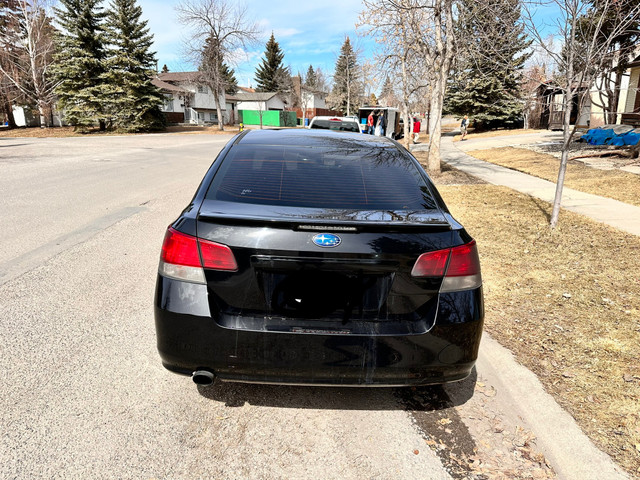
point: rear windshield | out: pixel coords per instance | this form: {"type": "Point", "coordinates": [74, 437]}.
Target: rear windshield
{"type": "Point", "coordinates": [378, 178]}
{"type": "Point", "coordinates": [348, 126]}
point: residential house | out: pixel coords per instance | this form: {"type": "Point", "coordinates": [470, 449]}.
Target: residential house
{"type": "Point", "coordinates": [189, 100]}
{"type": "Point", "coordinates": [546, 109]}
{"type": "Point", "coordinates": [312, 102]}
{"type": "Point", "coordinates": [260, 101]}
{"type": "Point", "coordinates": [629, 104]}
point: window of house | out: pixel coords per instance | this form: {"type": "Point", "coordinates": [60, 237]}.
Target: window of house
{"type": "Point", "coordinates": [202, 89]}
{"type": "Point", "coordinates": [168, 103]}
{"type": "Point", "coordinates": [213, 117]}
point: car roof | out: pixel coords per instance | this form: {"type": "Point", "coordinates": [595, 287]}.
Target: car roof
{"type": "Point", "coordinates": [312, 138]}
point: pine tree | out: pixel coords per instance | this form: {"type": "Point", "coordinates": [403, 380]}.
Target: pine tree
{"type": "Point", "coordinates": [230, 82]}
{"type": "Point", "coordinates": [79, 62]}
{"type": "Point", "coordinates": [347, 88]}
{"type": "Point", "coordinates": [387, 95]}
{"type": "Point", "coordinates": [132, 101]}
{"type": "Point", "coordinates": [271, 68]}
{"type": "Point", "coordinates": [311, 79]}
{"type": "Point", "coordinates": [487, 77]}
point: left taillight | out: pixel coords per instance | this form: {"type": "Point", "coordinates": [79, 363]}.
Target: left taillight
{"type": "Point", "coordinates": [184, 257]}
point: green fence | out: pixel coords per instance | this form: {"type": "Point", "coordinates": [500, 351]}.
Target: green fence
{"type": "Point", "coordinates": [270, 118]}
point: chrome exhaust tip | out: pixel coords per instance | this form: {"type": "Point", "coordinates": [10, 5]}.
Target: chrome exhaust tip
{"type": "Point", "coordinates": [203, 377]}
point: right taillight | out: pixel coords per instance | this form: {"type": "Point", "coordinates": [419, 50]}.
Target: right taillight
{"type": "Point", "coordinates": [461, 272]}
{"type": "Point", "coordinates": [184, 256]}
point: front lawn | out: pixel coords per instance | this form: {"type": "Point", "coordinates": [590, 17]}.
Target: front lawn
{"type": "Point", "coordinates": [566, 303]}
{"type": "Point", "coordinates": [616, 184]}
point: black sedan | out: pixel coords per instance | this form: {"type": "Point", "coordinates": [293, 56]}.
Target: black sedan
{"type": "Point", "coordinates": [318, 257]}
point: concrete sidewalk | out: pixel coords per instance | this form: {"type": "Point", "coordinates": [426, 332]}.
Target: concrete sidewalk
{"type": "Point", "coordinates": [617, 214]}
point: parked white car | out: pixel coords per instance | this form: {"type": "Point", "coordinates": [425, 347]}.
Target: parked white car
{"type": "Point", "coordinates": [342, 124]}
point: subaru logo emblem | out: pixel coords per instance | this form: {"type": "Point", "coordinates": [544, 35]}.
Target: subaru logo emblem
{"type": "Point", "coordinates": [327, 240]}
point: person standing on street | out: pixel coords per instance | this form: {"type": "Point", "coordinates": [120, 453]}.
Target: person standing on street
{"type": "Point", "coordinates": [416, 129]}
{"type": "Point", "coordinates": [370, 123]}
{"type": "Point", "coordinates": [463, 127]}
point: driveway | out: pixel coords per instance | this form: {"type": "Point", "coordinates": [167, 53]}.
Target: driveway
{"type": "Point", "coordinates": [484, 143]}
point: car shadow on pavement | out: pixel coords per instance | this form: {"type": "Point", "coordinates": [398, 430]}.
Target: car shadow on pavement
{"type": "Point", "coordinates": [412, 399]}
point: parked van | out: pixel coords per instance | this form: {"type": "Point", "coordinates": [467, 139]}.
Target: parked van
{"type": "Point", "coordinates": [393, 125]}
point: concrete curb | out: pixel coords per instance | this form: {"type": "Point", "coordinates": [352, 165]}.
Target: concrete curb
{"type": "Point", "coordinates": [522, 397]}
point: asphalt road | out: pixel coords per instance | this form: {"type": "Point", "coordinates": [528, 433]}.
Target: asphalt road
{"type": "Point", "coordinates": [82, 390]}
{"type": "Point", "coordinates": [83, 393]}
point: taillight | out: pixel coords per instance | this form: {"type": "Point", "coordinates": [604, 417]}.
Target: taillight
{"type": "Point", "coordinates": [217, 256]}
{"type": "Point", "coordinates": [461, 272]}
{"type": "Point", "coordinates": [431, 264]}
{"type": "Point", "coordinates": [183, 257]}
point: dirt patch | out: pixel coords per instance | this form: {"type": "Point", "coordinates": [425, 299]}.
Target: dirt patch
{"type": "Point", "coordinates": [616, 184]}
{"type": "Point", "coordinates": [462, 424]}
{"type": "Point", "coordinates": [567, 303]}
{"type": "Point", "coordinates": [496, 133]}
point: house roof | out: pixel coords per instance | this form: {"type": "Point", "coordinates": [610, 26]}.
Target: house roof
{"type": "Point", "coordinates": [247, 89]}
{"type": "Point", "coordinates": [635, 62]}
{"type": "Point", "coordinates": [167, 86]}
{"type": "Point", "coordinates": [254, 97]}
{"type": "Point", "coordinates": [179, 76]}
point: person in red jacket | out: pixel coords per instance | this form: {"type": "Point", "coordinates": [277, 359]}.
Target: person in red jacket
{"type": "Point", "coordinates": [370, 123]}
{"type": "Point", "coordinates": [416, 129]}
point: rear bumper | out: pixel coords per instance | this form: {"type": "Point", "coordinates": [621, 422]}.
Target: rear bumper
{"type": "Point", "coordinates": [189, 339]}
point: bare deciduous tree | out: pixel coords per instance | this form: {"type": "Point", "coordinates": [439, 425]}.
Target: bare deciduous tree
{"type": "Point", "coordinates": [429, 29]}
{"type": "Point", "coordinates": [219, 29]}
{"type": "Point", "coordinates": [28, 54]}
{"type": "Point", "coordinates": [581, 60]}
{"type": "Point", "coordinates": [397, 56]}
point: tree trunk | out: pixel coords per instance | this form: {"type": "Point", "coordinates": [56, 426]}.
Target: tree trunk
{"type": "Point", "coordinates": [435, 128]}
{"type": "Point", "coordinates": [566, 141]}
{"type": "Point", "coordinates": [11, 121]}
{"type": "Point", "coordinates": [615, 97]}
{"type": "Point", "coordinates": [216, 97]}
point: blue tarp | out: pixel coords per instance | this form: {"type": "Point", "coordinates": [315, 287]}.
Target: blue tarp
{"type": "Point", "coordinates": [612, 135]}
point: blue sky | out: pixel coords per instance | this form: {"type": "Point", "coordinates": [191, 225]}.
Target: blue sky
{"type": "Point", "coordinates": [308, 31]}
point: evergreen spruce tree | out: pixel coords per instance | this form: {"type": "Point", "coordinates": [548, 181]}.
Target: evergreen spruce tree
{"type": "Point", "coordinates": [79, 62]}
{"type": "Point", "coordinates": [347, 81]}
{"type": "Point", "coordinates": [230, 82]}
{"type": "Point", "coordinates": [311, 79]}
{"type": "Point", "coordinates": [387, 95]}
{"type": "Point", "coordinates": [270, 70]}
{"type": "Point", "coordinates": [132, 101]}
{"type": "Point", "coordinates": [487, 77]}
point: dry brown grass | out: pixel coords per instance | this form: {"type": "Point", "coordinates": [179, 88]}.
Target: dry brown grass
{"type": "Point", "coordinates": [616, 184]}
{"type": "Point", "coordinates": [37, 132]}
{"type": "Point", "coordinates": [567, 303]}
{"type": "Point", "coordinates": [497, 133]}
{"type": "Point", "coordinates": [63, 132]}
